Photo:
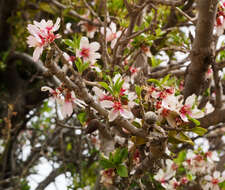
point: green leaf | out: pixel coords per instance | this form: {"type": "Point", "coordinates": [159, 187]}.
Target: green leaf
{"type": "Point", "coordinates": [184, 138]}
{"type": "Point", "coordinates": [122, 170]}
{"type": "Point", "coordinates": [120, 155]}
{"type": "Point", "coordinates": [190, 177]}
{"type": "Point", "coordinates": [69, 147]}
{"type": "Point", "coordinates": [105, 86]}
{"type": "Point", "coordinates": [181, 157]}
{"type": "Point", "coordinates": [195, 121]}
{"type": "Point", "coordinates": [222, 185]}
{"type": "Point", "coordinates": [138, 90]}
{"type": "Point", "coordinates": [69, 42]}
{"type": "Point", "coordinates": [105, 163]}
{"type": "Point", "coordinates": [46, 7]}
{"type": "Point", "coordinates": [166, 78]}
{"type": "Point", "coordinates": [155, 81]}
{"type": "Point", "coordinates": [82, 117]}
{"type": "Point", "coordinates": [199, 130]}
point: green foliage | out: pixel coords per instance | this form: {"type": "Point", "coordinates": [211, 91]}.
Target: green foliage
{"type": "Point", "coordinates": [181, 157]}
{"type": "Point", "coordinates": [122, 170]}
{"type": "Point", "coordinates": [82, 117]}
{"type": "Point", "coordinates": [81, 66]}
{"type": "Point", "coordinates": [24, 185]}
{"type": "Point", "coordinates": [116, 160]}
{"type": "Point", "coordinates": [199, 130]}
{"type": "Point", "coordinates": [222, 185]}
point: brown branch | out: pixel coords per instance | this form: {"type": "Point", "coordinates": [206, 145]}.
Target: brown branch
{"type": "Point", "coordinates": [168, 2]}
{"type": "Point", "coordinates": [74, 13]}
{"type": "Point", "coordinates": [201, 53]}
{"type": "Point", "coordinates": [51, 177]}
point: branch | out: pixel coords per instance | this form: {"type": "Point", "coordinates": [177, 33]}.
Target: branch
{"type": "Point", "coordinates": [169, 2]}
{"type": "Point", "coordinates": [51, 177]}
{"type": "Point", "coordinates": [201, 53]}
{"type": "Point", "coordinates": [213, 118]}
{"type": "Point", "coordinates": [74, 13]}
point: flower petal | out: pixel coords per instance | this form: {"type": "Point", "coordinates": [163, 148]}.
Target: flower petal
{"type": "Point", "coordinates": [113, 115]}
{"type": "Point", "coordinates": [84, 43]}
{"type": "Point", "coordinates": [37, 53]}
{"type": "Point", "coordinates": [94, 46]}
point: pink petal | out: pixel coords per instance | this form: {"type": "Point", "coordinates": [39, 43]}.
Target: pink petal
{"type": "Point", "coordinates": [37, 53]}
{"type": "Point", "coordinates": [56, 25]}
{"type": "Point", "coordinates": [67, 109]}
{"type": "Point", "coordinates": [113, 115]}
{"type": "Point", "coordinates": [107, 104]}
{"type": "Point", "coordinates": [126, 114]}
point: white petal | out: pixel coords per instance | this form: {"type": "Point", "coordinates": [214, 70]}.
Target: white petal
{"type": "Point", "coordinates": [118, 34]}
{"type": "Point", "coordinates": [46, 88]}
{"type": "Point", "coordinates": [113, 43]}
{"type": "Point", "coordinates": [113, 27]}
{"type": "Point", "coordinates": [216, 174]}
{"type": "Point", "coordinates": [190, 100]}
{"type": "Point", "coordinates": [107, 104]}
{"type": "Point", "coordinates": [84, 43]}
{"type": "Point", "coordinates": [37, 53]}
{"type": "Point", "coordinates": [98, 92]}
{"type": "Point", "coordinates": [208, 177]}
{"type": "Point", "coordinates": [113, 115]}
{"type": "Point", "coordinates": [56, 25]}
{"type": "Point", "coordinates": [126, 114]}
{"type": "Point", "coordinates": [94, 46]}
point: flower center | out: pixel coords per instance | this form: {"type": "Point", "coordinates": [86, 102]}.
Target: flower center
{"type": "Point", "coordinates": [215, 181]}
{"type": "Point", "coordinates": [185, 110]}
{"type": "Point", "coordinates": [117, 106]}
{"type": "Point", "coordinates": [85, 52]}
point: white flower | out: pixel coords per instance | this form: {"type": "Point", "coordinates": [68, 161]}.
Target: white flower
{"type": "Point", "coordinates": [173, 184]}
{"type": "Point", "coordinates": [42, 34]}
{"type": "Point", "coordinates": [212, 156]}
{"type": "Point", "coordinates": [119, 109]}
{"type": "Point", "coordinates": [213, 181]}
{"type": "Point", "coordinates": [163, 177]}
{"type": "Point", "coordinates": [111, 34]}
{"type": "Point", "coordinates": [102, 98]}
{"type": "Point", "coordinates": [88, 51]}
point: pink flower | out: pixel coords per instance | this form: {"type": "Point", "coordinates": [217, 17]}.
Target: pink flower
{"type": "Point", "coordinates": [118, 109]}
{"type": "Point", "coordinates": [111, 34]}
{"type": "Point", "coordinates": [212, 182]}
{"type": "Point", "coordinates": [88, 51]}
{"type": "Point", "coordinates": [134, 71]}
{"type": "Point", "coordinates": [42, 34]}
{"type": "Point", "coordinates": [220, 25]}
{"type": "Point", "coordinates": [102, 98]}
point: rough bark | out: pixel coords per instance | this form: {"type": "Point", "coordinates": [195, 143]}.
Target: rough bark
{"type": "Point", "coordinates": [201, 53]}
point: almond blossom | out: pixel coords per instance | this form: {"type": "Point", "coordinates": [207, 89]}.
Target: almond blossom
{"type": "Point", "coordinates": [220, 19]}
{"type": "Point", "coordinates": [173, 184]}
{"type": "Point", "coordinates": [88, 51]}
{"type": "Point", "coordinates": [163, 177]}
{"type": "Point", "coordinates": [212, 182]}
{"type": "Point", "coordinates": [65, 99]}
{"type": "Point", "coordinates": [42, 34]}
{"type": "Point", "coordinates": [111, 34]}
{"type": "Point", "coordinates": [101, 97]}
{"type": "Point", "coordinates": [119, 109]}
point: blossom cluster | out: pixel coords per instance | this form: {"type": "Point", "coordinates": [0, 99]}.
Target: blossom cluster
{"type": "Point", "coordinates": [195, 165]}
{"type": "Point", "coordinates": [42, 34]}
{"type": "Point", "coordinates": [65, 99]}
{"type": "Point", "coordinates": [220, 18]}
